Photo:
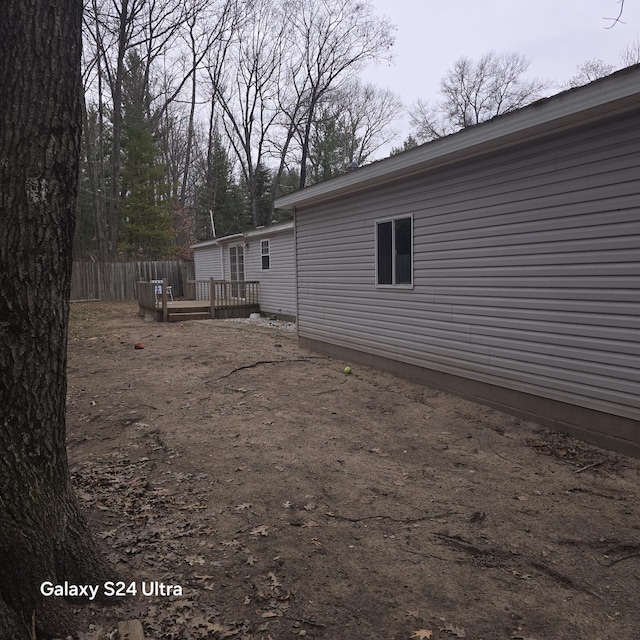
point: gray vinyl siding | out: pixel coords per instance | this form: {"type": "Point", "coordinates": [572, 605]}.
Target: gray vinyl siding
{"type": "Point", "coordinates": [526, 269]}
{"type": "Point", "coordinates": [207, 262]}
{"type": "Point", "coordinates": [277, 284]}
{"type": "Point", "coordinates": [277, 289]}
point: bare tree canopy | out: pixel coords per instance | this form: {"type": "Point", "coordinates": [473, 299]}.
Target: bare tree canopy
{"type": "Point", "coordinates": [631, 53]}
{"type": "Point", "coordinates": [332, 40]}
{"type": "Point", "coordinates": [589, 71]}
{"type": "Point", "coordinates": [351, 124]}
{"type": "Point", "coordinates": [476, 91]}
{"type": "Point", "coordinates": [259, 69]}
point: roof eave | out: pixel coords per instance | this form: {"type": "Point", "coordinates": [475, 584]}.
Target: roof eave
{"type": "Point", "coordinates": [605, 97]}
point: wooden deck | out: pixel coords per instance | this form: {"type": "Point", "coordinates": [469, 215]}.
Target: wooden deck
{"type": "Point", "coordinates": [230, 300]}
{"type": "Point", "coordinates": [201, 310]}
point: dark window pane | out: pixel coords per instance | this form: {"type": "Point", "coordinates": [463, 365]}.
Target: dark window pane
{"type": "Point", "coordinates": [385, 252]}
{"type": "Point", "coordinates": [403, 251]}
{"type": "Point", "coordinates": [265, 262]}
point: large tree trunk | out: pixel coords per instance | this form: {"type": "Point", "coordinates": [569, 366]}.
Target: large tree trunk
{"type": "Point", "coordinates": [42, 534]}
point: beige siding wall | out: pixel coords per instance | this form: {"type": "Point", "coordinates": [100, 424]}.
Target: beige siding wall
{"type": "Point", "coordinates": [526, 270]}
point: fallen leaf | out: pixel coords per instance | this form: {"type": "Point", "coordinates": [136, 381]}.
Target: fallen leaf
{"type": "Point", "coordinates": [262, 530]}
{"type": "Point", "coordinates": [274, 580]}
{"type": "Point", "coordinates": [421, 634]}
{"type": "Point", "coordinates": [230, 543]}
{"type": "Point", "coordinates": [458, 632]}
{"type": "Point", "coordinates": [242, 507]}
{"type": "Point", "coordinates": [271, 614]}
{"type": "Point", "coordinates": [222, 629]}
{"type": "Point", "coordinates": [251, 560]}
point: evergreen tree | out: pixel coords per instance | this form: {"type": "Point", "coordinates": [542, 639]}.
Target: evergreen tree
{"type": "Point", "coordinates": [145, 225]}
{"type": "Point", "coordinates": [218, 194]}
{"type": "Point", "coordinates": [328, 153]}
{"type": "Point", "coordinates": [264, 203]}
{"type": "Point", "coordinates": [409, 143]}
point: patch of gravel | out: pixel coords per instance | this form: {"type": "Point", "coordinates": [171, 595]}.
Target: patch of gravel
{"type": "Point", "coordinates": [280, 325]}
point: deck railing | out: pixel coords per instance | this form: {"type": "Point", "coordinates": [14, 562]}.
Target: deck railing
{"type": "Point", "coordinates": [224, 293]}
{"type": "Point", "coordinates": [152, 299]}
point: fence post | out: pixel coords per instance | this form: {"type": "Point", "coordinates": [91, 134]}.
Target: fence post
{"type": "Point", "coordinates": [165, 310]}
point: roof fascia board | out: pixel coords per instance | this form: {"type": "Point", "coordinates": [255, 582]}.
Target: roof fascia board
{"type": "Point", "coordinates": [253, 233]}
{"type": "Point", "coordinates": [269, 230]}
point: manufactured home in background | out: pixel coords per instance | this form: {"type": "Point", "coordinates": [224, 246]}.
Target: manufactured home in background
{"type": "Point", "coordinates": [265, 255]}
{"type": "Point", "coordinates": [501, 263]}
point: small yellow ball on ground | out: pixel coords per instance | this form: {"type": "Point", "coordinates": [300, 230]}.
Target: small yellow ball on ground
{"type": "Point", "coordinates": [347, 369]}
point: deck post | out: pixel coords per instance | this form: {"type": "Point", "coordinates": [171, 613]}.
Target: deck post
{"type": "Point", "coordinates": [165, 310]}
{"type": "Point", "coordinates": [212, 297]}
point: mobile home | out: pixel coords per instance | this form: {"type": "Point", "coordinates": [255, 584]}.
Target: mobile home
{"type": "Point", "coordinates": [501, 263]}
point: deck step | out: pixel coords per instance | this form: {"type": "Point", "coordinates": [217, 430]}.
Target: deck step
{"type": "Point", "coordinates": [189, 315]}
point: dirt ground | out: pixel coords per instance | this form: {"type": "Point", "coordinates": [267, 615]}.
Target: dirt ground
{"type": "Point", "coordinates": [287, 499]}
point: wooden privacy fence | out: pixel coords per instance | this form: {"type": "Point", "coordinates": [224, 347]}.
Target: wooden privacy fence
{"type": "Point", "coordinates": [119, 280]}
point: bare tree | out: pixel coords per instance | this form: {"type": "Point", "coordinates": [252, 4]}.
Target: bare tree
{"type": "Point", "coordinates": [247, 91]}
{"type": "Point", "coordinates": [631, 53]}
{"type": "Point", "coordinates": [43, 536]}
{"type": "Point", "coordinates": [474, 92]}
{"type": "Point", "coordinates": [589, 71]}
{"type": "Point", "coordinates": [369, 114]}
{"type": "Point", "coordinates": [208, 29]}
{"type": "Point", "coordinates": [330, 40]}
{"type": "Point", "coordinates": [351, 124]}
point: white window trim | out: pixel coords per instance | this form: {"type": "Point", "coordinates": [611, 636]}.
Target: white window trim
{"type": "Point", "coordinates": [268, 241]}
{"type": "Point", "coordinates": [393, 262]}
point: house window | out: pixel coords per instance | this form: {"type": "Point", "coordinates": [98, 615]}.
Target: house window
{"type": "Point", "coordinates": [265, 253]}
{"type": "Point", "coordinates": [394, 254]}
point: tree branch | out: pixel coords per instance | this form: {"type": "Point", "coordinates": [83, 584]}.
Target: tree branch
{"type": "Point", "coordinates": [617, 18]}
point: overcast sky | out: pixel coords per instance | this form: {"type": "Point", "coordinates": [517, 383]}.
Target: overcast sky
{"type": "Point", "coordinates": [556, 35]}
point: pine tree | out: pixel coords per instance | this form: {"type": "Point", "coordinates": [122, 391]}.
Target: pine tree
{"type": "Point", "coordinates": [219, 195]}
{"type": "Point", "coordinates": [145, 225]}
